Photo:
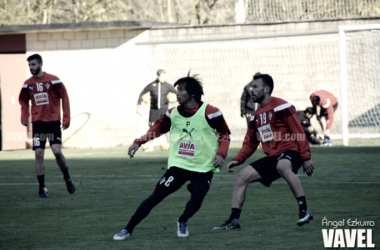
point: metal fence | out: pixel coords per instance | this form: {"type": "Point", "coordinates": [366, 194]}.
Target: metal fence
{"type": "Point", "coordinates": [292, 10]}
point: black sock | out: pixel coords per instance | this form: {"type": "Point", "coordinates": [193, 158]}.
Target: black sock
{"type": "Point", "coordinates": [302, 203]}
{"type": "Point", "coordinates": [144, 209]}
{"type": "Point", "coordinates": [235, 214]}
{"type": "Point", "coordinates": [327, 137]}
{"type": "Point", "coordinates": [65, 173]}
{"type": "Point", "coordinates": [41, 181]}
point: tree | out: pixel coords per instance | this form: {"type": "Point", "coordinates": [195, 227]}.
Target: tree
{"type": "Point", "coordinates": [62, 11]}
{"type": "Point", "coordinates": [191, 12]}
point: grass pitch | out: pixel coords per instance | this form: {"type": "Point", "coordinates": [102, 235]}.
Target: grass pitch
{"type": "Point", "coordinates": [110, 186]}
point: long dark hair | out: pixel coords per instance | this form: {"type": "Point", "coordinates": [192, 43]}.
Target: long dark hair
{"type": "Point", "coordinates": [193, 86]}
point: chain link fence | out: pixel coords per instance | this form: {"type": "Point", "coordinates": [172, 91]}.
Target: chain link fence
{"type": "Point", "coordinates": [293, 10]}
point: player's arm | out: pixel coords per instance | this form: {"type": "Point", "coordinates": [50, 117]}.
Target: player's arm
{"type": "Point", "coordinates": [314, 106]}
{"type": "Point", "coordinates": [143, 92]}
{"type": "Point", "coordinates": [65, 105]}
{"type": "Point", "coordinates": [161, 126]}
{"type": "Point", "coordinates": [216, 121]}
{"type": "Point", "coordinates": [146, 90]}
{"type": "Point", "coordinates": [243, 101]}
{"type": "Point", "coordinates": [23, 99]}
{"type": "Point", "coordinates": [250, 144]}
{"type": "Point", "coordinates": [172, 89]}
{"type": "Point", "coordinates": [291, 118]}
{"type": "Point", "coordinates": [330, 114]}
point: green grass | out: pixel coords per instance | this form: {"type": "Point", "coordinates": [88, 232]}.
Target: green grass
{"type": "Point", "coordinates": [110, 186]}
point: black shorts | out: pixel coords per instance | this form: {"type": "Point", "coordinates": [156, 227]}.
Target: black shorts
{"type": "Point", "coordinates": [175, 177]}
{"type": "Point", "coordinates": [323, 112]}
{"type": "Point", "coordinates": [43, 131]}
{"type": "Point", "coordinates": [155, 114]}
{"type": "Point", "coordinates": [267, 166]}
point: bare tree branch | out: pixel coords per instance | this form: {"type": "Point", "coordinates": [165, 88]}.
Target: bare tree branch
{"type": "Point", "coordinates": [16, 12]}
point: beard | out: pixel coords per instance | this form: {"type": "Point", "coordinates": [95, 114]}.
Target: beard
{"type": "Point", "coordinates": [36, 71]}
{"type": "Point", "coordinates": [258, 98]}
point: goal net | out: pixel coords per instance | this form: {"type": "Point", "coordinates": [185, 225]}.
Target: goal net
{"type": "Point", "coordinates": [360, 81]}
{"type": "Point", "coordinates": [300, 63]}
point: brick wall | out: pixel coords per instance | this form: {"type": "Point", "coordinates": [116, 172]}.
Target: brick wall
{"type": "Point", "coordinates": [79, 40]}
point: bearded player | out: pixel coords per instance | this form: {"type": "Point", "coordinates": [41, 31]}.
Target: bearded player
{"type": "Point", "coordinates": [45, 92]}
{"type": "Point", "coordinates": [276, 125]}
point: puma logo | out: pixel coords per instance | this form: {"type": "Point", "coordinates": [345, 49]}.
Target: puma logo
{"type": "Point", "coordinates": [187, 132]}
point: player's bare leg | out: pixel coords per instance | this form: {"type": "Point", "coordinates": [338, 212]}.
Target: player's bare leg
{"type": "Point", "coordinates": [242, 179]}
{"type": "Point", "coordinates": [323, 122]}
{"type": "Point", "coordinates": [59, 157]}
{"type": "Point", "coordinates": [61, 161]}
{"type": "Point", "coordinates": [284, 168]}
{"type": "Point", "coordinates": [39, 164]}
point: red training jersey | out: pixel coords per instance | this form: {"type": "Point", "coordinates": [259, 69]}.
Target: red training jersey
{"type": "Point", "coordinates": [45, 93]}
{"type": "Point", "coordinates": [213, 116]}
{"type": "Point", "coordinates": [328, 100]}
{"type": "Point", "coordinates": [276, 125]}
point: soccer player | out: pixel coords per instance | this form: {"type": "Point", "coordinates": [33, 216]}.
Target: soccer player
{"type": "Point", "coordinates": [247, 106]}
{"type": "Point", "coordinates": [159, 103]}
{"type": "Point", "coordinates": [275, 123]}
{"type": "Point", "coordinates": [45, 92]}
{"type": "Point", "coordinates": [199, 144]}
{"type": "Point", "coordinates": [328, 103]}
{"type": "Point", "coordinates": [311, 134]}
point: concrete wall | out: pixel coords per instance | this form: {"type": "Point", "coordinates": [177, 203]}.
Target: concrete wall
{"type": "Point", "coordinates": [104, 72]}
{"type": "Point", "coordinates": [97, 69]}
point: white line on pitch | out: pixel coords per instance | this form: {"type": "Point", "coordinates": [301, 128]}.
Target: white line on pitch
{"type": "Point", "coordinates": [214, 182]}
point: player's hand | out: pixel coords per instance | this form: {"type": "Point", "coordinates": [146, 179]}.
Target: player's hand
{"type": "Point", "coordinates": [65, 127]}
{"type": "Point", "coordinates": [231, 165]}
{"type": "Point", "coordinates": [132, 149]}
{"type": "Point", "coordinates": [25, 123]}
{"type": "Point", "coordinates": [308, 167]}
{"type": "Point", "coordinates": [319, 137]}
{"type": "Point", "coordinates": [139, 110]}
{"type": "Point", "coordinates": [218, 161]}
